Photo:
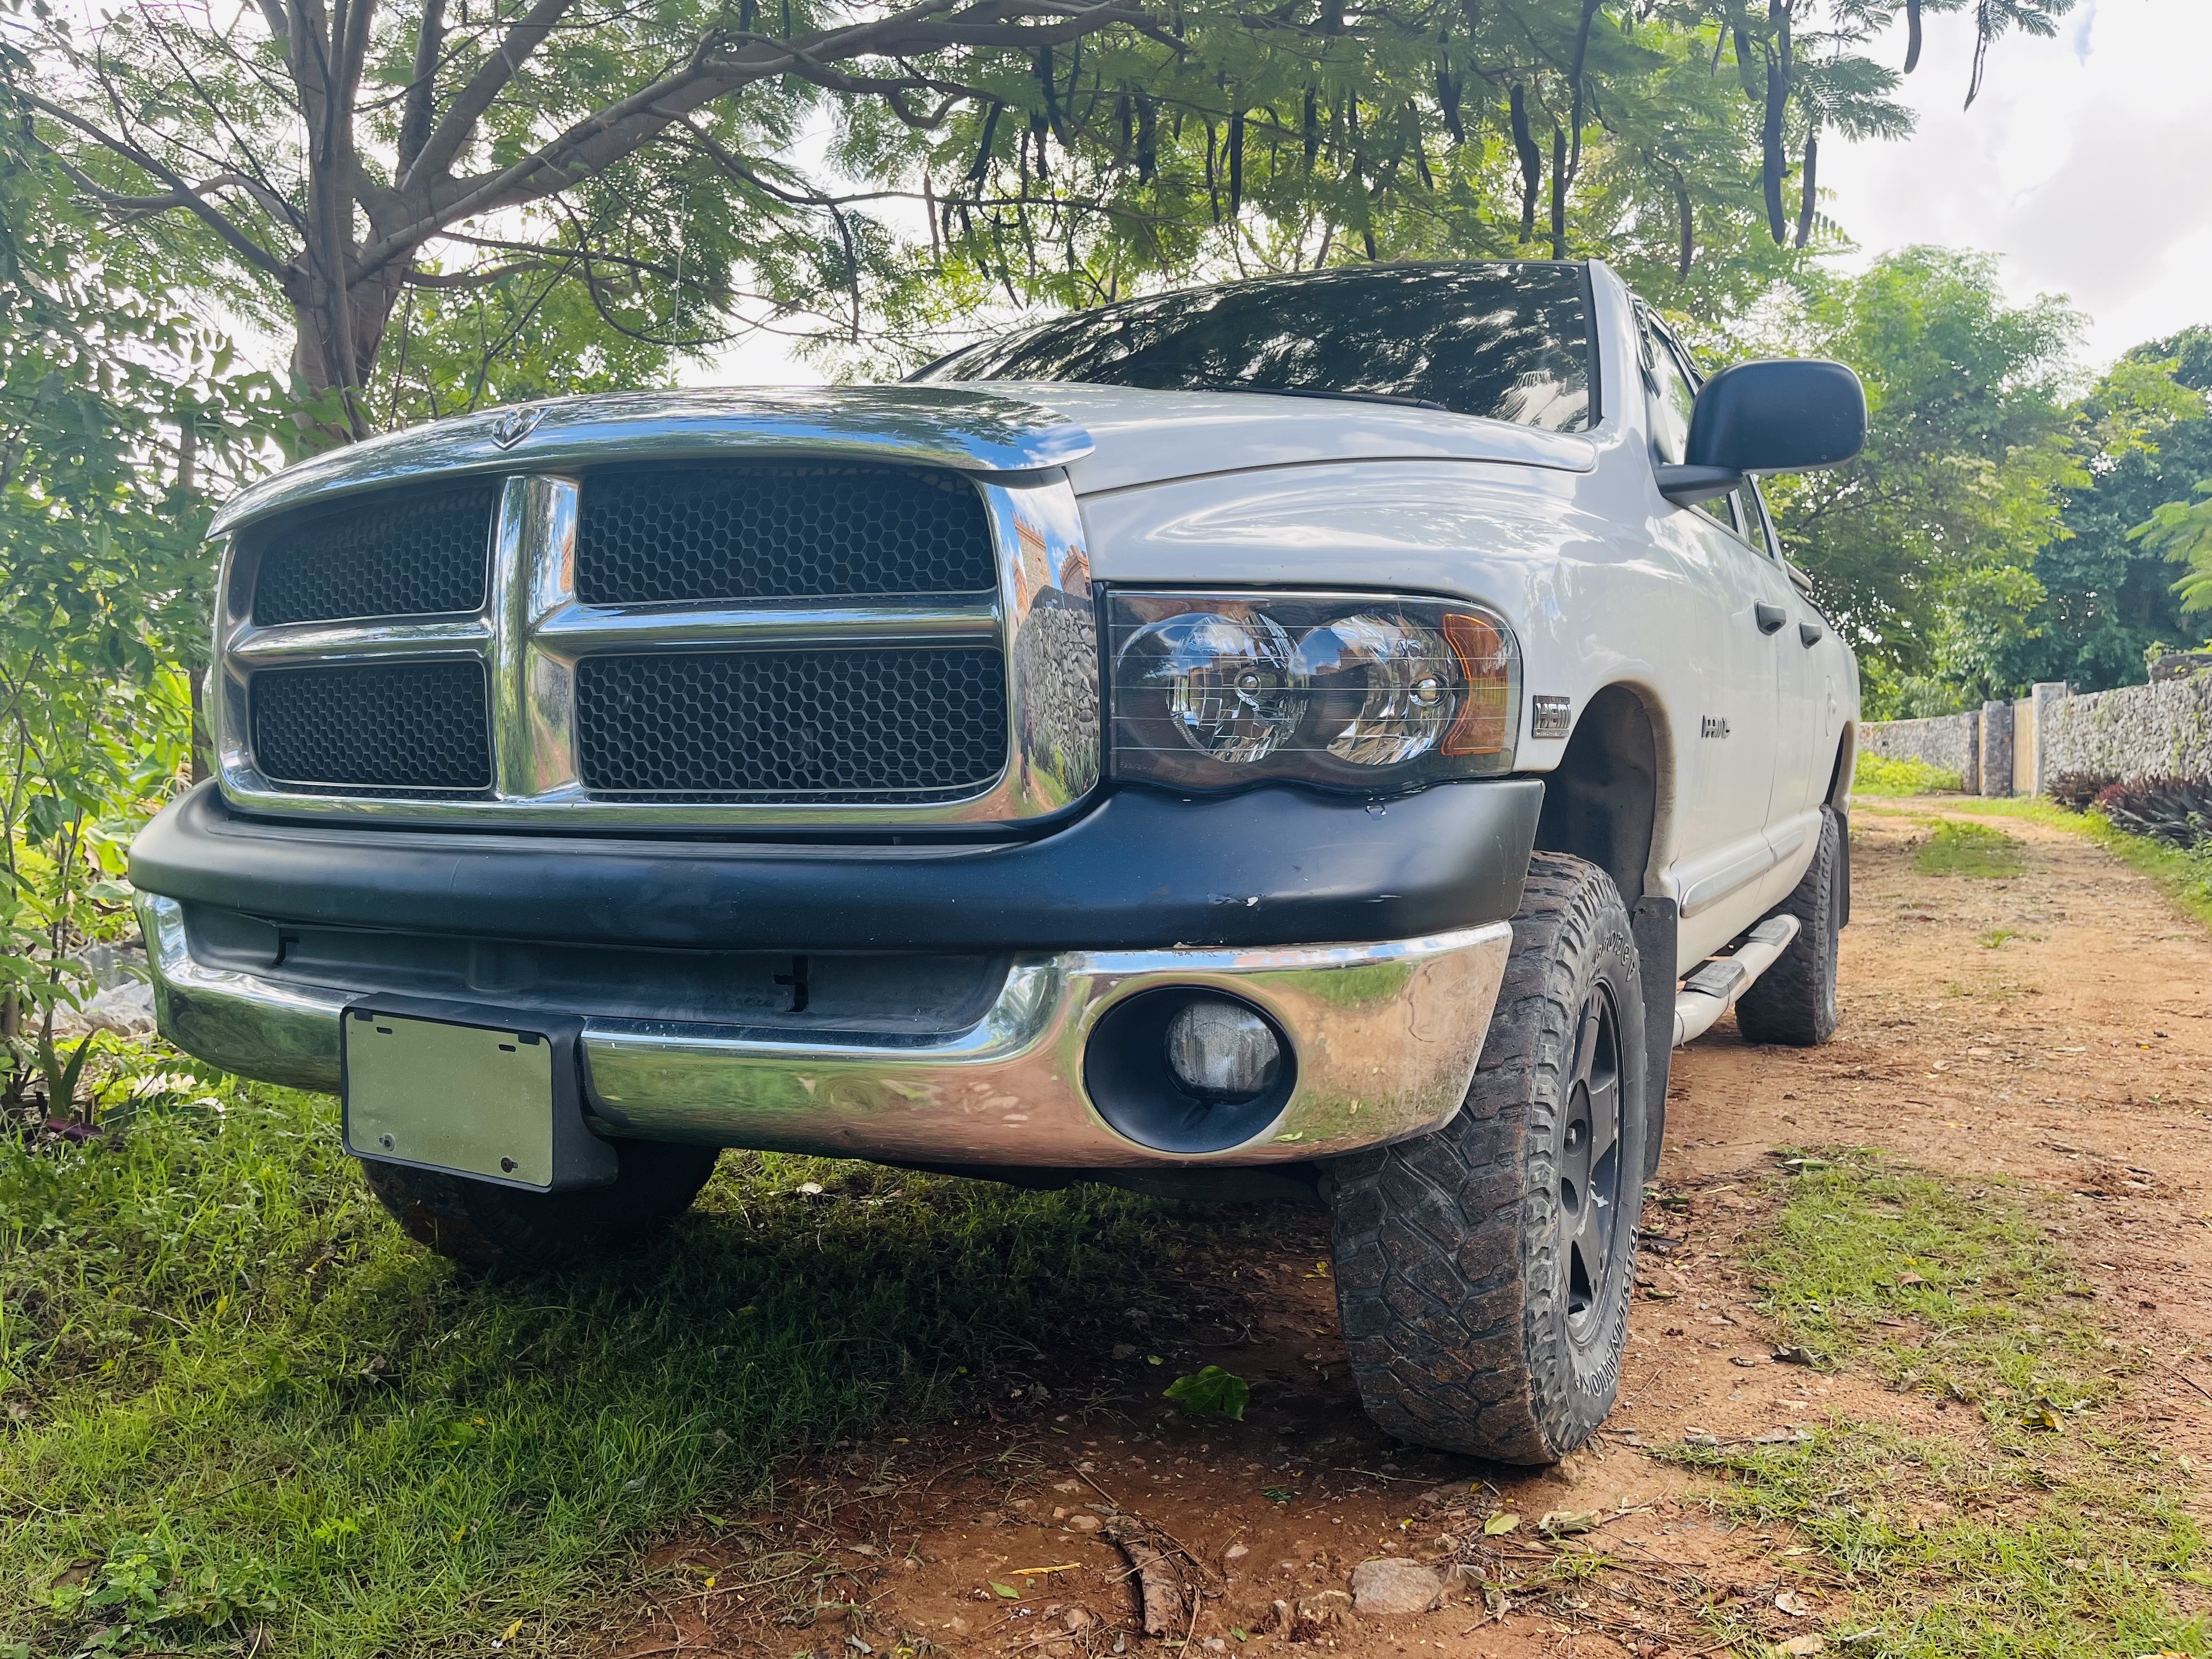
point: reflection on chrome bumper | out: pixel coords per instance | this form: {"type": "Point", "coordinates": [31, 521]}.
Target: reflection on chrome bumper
{"type": "Point", "coordinates": [1385, 1036]}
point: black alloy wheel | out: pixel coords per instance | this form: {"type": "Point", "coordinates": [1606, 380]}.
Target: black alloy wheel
{"type": "Point", "coordinates": [1589, 1163]}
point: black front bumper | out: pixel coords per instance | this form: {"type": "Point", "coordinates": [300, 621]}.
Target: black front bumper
{"type": "Point", "coordinates": [1143, 870]}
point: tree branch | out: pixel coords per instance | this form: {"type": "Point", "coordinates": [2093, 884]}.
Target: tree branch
{"type": "Point", "coordinates": [246, 248]}
{"type": "Point", "coordinates": [515, 46]}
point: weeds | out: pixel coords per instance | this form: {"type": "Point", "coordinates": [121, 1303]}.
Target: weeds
{"type": "Point", "coordinates": [2037, 1529]}
{"type": "Point", "coordinates": [1877, 774]}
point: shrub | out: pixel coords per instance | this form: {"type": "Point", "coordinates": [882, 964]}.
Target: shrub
{"type": "Point", "coordinates": [2175, 811]}
{"type": "Point", "coordinates": [2075, 790]}
{"type": "Point", "coordinates": [1879, 774]}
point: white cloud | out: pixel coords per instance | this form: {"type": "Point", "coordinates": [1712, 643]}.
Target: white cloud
{"type": "Point", "coordinates": [2086, 162]}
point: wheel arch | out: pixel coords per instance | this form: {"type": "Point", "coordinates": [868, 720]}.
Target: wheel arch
{"type": "Point", "coordinates": [1613, 798]}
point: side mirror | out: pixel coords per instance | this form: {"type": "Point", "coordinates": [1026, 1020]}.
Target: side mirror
{"type": "Point", "coordinates": [1787, 417]}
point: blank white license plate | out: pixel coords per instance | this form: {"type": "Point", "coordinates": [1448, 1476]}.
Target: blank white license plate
{"type": "Point", "coordinates": [471, 1099]}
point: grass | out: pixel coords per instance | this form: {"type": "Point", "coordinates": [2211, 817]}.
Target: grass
{"type": "Point", "coordinates": [1954, 849]}
{"type": "Point", "coordinates": [232, 1396]}
{"type": "Point", "coordinates": [1877, 774]}
{"type": "Point", "coordinates": [2036, 1526]}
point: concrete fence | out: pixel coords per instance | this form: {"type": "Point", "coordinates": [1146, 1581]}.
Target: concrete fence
{"type": "Point", "coordinates": [2163, 729]}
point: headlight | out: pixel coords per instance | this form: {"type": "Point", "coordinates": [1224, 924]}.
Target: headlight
{"type": "Point", "coordinates": [1368, 692]}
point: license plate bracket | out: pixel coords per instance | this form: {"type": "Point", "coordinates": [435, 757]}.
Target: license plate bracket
{"type": "Point", "coordinates": [462, 1089]}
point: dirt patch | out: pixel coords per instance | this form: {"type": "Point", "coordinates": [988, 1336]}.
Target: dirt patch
{"type": "Point", "coordinates": [2052, 1027]}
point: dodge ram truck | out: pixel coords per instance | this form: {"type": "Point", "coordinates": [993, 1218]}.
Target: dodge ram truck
{"type": "Point", "coordinates": [1328, 737]}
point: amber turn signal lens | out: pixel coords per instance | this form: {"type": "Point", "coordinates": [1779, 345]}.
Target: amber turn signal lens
{"type": "Point", "coordinates": [1484, 713]}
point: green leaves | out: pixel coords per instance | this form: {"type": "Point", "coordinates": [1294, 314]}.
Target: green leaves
{"type": "Point", "coordinates": [1211, 1393]}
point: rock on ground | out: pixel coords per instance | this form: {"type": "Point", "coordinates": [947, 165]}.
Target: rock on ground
{"type": "Point", "coordinates": [1388, 1585]}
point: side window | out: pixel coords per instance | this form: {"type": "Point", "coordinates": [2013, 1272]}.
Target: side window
{"type": "Point", "coordinates": [1672, 394]}
{"type": "Point", "coordinates": [1763, 536]}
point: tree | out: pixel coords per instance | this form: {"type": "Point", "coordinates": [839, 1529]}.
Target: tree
{"type": "Point", "coordinates": [1923, 549]}
{"type": "Point", "coordinates": [481, 197]}
{"type": "Point", "coordinates": [2109, 593]}
{"type": "Point", "coordinates": [113, 411]}
{"type": "Point", "coordinates": [2178, 464]}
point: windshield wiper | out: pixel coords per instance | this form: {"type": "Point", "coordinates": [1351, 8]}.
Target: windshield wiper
{"type": "Point", "coordinates": [1315, 392]}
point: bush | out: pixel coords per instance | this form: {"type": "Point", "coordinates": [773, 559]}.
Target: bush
{"type": "Point", "coordinates": [1879, 774]}
{"type": "Point", "coordinates": [2075, 790]}
{"type": "Point", "coordinates": [2175, 811]}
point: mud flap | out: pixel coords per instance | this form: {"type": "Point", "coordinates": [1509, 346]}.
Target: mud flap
{"type": "Point", "coordinates": [1653, 923]}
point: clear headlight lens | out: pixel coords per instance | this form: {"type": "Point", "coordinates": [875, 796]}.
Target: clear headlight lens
{"type": "Point", "coordinates": [1361, 692]}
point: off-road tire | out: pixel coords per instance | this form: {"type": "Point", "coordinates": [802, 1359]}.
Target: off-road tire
{"type": "Point", "coordinates": [1466, 1327]}
{"type": "Point", "coordinates": [1794, 1001]}
{"type": "Point", "coordinates": [484, 1226]}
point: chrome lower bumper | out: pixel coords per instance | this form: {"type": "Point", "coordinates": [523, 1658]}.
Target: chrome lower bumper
{"type": "Point", "coordinates": [1385, 1037]}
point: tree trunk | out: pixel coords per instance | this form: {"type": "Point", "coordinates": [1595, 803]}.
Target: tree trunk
{"type": "Point", "coordinates": [1532, 159]}
{"type": "Point", "coordinates": [1558, 193]}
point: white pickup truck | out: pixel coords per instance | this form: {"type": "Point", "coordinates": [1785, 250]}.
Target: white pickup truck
{"type": "Point", "coordinates": [1326, 737]}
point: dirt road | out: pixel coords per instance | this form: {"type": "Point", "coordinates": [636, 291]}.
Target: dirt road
{"type": "Point", "coordinates": [2055, 1028]}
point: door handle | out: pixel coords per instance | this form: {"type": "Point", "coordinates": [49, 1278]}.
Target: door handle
{"type": "Point", "coordinates": [1810, 634]}
{"type": "Point", "coordinates": [1771, 616]}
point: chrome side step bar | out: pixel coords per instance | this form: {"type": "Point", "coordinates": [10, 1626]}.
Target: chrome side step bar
{"type": "Point", "coordinates": [1713, 987]}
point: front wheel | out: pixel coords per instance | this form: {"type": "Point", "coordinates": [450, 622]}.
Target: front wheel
{"type": "Point", "coordinates": [1483, 1271]}
{"type": "Point", "coordinates": [482, 1225]}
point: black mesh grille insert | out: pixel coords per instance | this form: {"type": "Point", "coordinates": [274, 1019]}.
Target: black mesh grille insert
{"type": "Point", "coordinates": [388, 726]}
{"type": "Point", "coordinates": [763, 530]}
{"type": "Point", "coordinates": [853, 725]}
{"type": "Point", "coordinates": [397, 553]}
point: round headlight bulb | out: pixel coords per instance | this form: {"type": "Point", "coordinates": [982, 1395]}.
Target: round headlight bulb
{"type": "Point", "coordinates": [1224, 682]}
{"type": "Point", "coordinates": [1382, 688]}
{"type": "Point", "coordinates": [1223, 1052]}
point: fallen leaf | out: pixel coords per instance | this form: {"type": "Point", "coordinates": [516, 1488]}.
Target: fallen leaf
{"type": "Point", "coordinates": [1006, 1590]}
{"type": "Point", "coordinates": [1562, 1523]}
{"type": "Point", "coordinates": [1212, 1392]}
{"type": "Point", "coordinates": [2042, 1417]}
{"type": "Point", "coordinates": [1504, 1522]}
{"type": "Point", "coordinates": [1802, 1647]}
{"type": "Point", "coordinates": [1796, 1356]}
{"type": "Point", "coordinates": [1793, 1604]}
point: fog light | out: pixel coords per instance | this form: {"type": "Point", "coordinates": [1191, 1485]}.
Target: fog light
{"type": "Point", "coordinates": [1223, 1051]}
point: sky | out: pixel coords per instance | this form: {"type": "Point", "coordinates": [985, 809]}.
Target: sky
{"type": "Point", "coordinates": [2085, 164]}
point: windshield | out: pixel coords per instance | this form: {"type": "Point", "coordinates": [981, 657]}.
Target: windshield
{"type": "Point", "coordinates": [1508, 341]}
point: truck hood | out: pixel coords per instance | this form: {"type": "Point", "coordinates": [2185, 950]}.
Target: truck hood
{"type": "Point", "coordinates": [1109, 438]}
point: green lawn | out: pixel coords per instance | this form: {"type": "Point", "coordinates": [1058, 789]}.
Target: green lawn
{"type": "Point", "coordinates": [231, 1395]}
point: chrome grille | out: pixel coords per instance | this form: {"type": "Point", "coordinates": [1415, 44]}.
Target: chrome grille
{"type": "Point", "coordinates": [388, 726]}
{"type": "Point", "coordinates": [853, 725]}
{"type": "Point", "coordinates": [764, 530]}
{"type": "Point", "coordinates": [394, 553]}
{"type": "Point", "coordinates": [681, 690]}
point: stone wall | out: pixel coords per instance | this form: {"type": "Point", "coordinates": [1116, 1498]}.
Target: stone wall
{"type": "Point", "coordinates": [2136, 731]}
{"type": "Point", "coordinates": [1952, 741]}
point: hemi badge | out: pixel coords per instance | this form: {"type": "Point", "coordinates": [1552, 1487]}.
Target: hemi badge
{"type": "Point", "coordinates": [1555, 717]}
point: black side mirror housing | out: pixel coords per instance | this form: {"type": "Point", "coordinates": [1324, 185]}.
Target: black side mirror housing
{"type": "Point", "coordinates": [1782, 416]}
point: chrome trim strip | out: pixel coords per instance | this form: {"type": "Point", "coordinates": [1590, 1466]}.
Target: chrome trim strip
{"type": "Point", "coordinates": [962, 427]}
{"type": "Point", "coordinates": [533, 631]}
{"type": "Point", "coordinates": [1387, 1037]}
{"type": "Point", "coordinates": [576, 629]}
{"type": "Point", "coordinates": [318, 644]}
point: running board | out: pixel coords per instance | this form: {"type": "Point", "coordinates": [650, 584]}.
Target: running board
{"type": "Point", "coordinates": [1713, 988]}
